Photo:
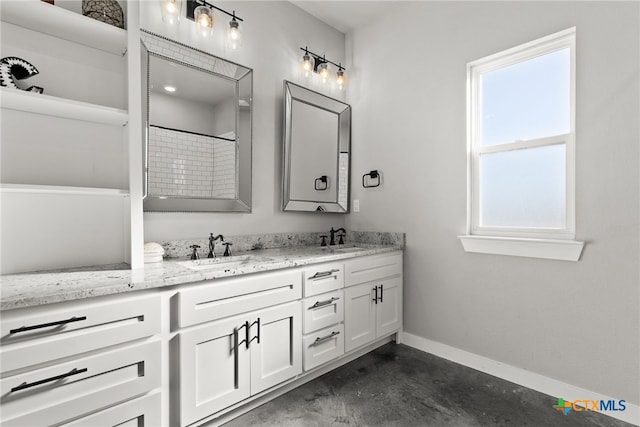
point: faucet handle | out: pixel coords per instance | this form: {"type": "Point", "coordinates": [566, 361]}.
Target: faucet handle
{"type": "Point", "coordinates": [227, 252]}
{"type": "Point", "coordinates": [194, 254]}
{"type": "Point", "coordinates": [341, 239]}
{"type": "Point", "coordinates": [324, 241]}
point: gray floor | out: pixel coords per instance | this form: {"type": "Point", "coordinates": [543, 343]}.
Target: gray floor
{"type": "Point", "coordinates": [397, 385]}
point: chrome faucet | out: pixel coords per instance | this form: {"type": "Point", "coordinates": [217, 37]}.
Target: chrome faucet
{"type": "Point", "coordinates": [212, 244]}
{"type": "Point", "coordinates": [332, 232]}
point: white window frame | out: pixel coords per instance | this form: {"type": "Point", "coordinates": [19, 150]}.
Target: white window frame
{"type": "Point", "coordinates": [553, 243]}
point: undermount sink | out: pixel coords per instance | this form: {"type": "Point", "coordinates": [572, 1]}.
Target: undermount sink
{"type": "Point", "coordinates": [222, 262]}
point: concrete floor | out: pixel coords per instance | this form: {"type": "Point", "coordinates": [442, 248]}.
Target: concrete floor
{"type": "Point", "coordinates": [397, 385]}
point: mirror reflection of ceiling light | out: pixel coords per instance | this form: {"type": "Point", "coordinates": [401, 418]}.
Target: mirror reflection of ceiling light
{"type": "Point", "coordinates": [170, 88]}
{"type": "Point", "coordinates": [320, 65]}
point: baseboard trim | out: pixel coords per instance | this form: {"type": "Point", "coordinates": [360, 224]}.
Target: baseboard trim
{"type": "Point", "coordinates": [519, 376]}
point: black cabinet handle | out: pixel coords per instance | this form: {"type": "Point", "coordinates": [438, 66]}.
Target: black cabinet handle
{"type": "Point", "coordinates": [48, 380]}
{"type": "Point", "coordinates": [323, 303]}
{"type": "Point", "coordinates": [331, 335]}
{"type": "Point", "coordinates": [375, 299]}
{"type": "Point", "coordinates": [381, 292]}
{"type": "Point", "coordinates": [47, 325]}
{"type": "Point", "coordinates": [321, 274]}
{"type": "Point", "coordinates": [245, 341]}
{"type": "Point", "coordinates": [236, 344]}
{"type": "Point", "coordinates": [257, 337]}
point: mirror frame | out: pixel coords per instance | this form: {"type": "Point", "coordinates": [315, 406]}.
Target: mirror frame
{"type": "Point", "coordinates": [158, 46]}
{"type": "Point", "coordinates": [294, 92]}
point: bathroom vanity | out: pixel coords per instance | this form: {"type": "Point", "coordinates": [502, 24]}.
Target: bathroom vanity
{"type": "Point", "coordinates": [189, 342]}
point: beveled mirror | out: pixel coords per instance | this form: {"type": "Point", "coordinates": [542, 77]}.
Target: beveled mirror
{"type": "Point", "coordinates": [317, 142]}
{"type": "Point", "coordinates": [198, 139]}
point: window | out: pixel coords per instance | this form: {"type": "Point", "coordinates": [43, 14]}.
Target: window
{"type": "Point", "coordinates": [521, 136]}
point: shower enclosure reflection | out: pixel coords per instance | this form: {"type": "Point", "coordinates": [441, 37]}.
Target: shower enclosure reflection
{"type": "Point", "coordinates": [198, 141]}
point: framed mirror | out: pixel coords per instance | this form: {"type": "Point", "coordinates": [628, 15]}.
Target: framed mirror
{"type": "Point", "coordinates": [198, 131]}
{"type": "Point", "coordinates": [317, 143]}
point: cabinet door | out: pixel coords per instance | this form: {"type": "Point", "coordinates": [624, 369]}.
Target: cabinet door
{"type": "Point", "coordinates": [276, 355]}
{"type": "Point", "coordinates": [214, 368]}
{"type": "Point", "coordinates": [389, 307]}
{"type": "Point", "coordinates": [359, 316]}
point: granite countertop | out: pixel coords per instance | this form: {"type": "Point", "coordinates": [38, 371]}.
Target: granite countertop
{"type": "Point", "coordinates": [46, 287]}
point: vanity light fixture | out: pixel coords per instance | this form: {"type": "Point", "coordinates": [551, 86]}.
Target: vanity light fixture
{"type": "Point", "coordinates": [320, 65]}
{"type": "Point", "coordinates": [234, 35]}
{"type": "Point", "coordinates": [340, 80]}
{"type": "Point", "coordinates": [171, 11]}
{"type": "Point", "coordinates": [204, 20]}
{"type": "Point", "coordinates": [307, 63]}
{"type": "Point", "coordinates": [202, 13]}
{"type": "Point", "coordinates": [323, 71]}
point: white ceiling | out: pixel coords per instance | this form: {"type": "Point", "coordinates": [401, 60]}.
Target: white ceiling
{"type": "Point", "coordinates": [347, 15]}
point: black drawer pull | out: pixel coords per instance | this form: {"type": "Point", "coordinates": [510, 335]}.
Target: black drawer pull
{"type": "Point", "coordinates": [323, 303]}
{"type": "Point", "coordinates": [48, 380]}
{"type": "Point", "coordinates": [47, 325]}
{"type": "Point", "coordinates": [331, 335]}
{"type": "Point", "coordinates": [321, 274]}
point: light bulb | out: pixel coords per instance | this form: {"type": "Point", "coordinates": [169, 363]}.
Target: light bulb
{"type": "Point", "coordinates": [323, 70]}
{"type": "Point", "coordinates": [204, 20]}
{"type": "Point", "coordinates": [234, 36]}
{"type": "Point", "coordinates": [307, 65]}
{"type": "Point", "coordinates": [340, 80]}
{"type": "Point", "coordinates": [171, 11]}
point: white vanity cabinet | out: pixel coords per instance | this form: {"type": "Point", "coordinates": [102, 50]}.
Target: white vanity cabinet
{"type": "Point", "coordinates": [225, 361]}
{"type": "Point", "coordinates": [62, 361]}
{"type": "Point", "coordinates": [373, 299]}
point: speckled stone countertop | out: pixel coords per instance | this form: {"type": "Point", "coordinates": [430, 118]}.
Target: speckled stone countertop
{"type": "Point", "coordinates": [46, 287]}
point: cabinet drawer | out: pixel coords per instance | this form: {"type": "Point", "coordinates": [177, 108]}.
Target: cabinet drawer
{"type": "Point", "coordinates": [322, 311]}
{"type": "Point", "coordinates": [44, 334]}
{"type": "Point", "coordinates": [323, 346]}
{"type": "Point", "coordinates": [228, 297]}
{"type": "Point", "coordinates": [142, 412]}
{"type": "Point", "coordinates": [64, 391]}
{"type": "Point", "coordinates": [322, 278]}
{"type": "Point", "coordinates": [372, 268]}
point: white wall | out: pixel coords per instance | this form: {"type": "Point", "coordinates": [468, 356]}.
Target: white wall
{"type": "Point", "coordinates": [273, 33]}
{"type": "Point", "coordinates": [576, 322]}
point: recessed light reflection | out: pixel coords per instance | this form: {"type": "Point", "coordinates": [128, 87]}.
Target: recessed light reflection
{"type": "Point", "coordinates": [170, 88]}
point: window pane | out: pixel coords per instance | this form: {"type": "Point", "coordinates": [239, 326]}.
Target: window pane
{"type": "Point", "coordinates": [523, 188]}
{"type": "Point", "coordinates": [527, 100]}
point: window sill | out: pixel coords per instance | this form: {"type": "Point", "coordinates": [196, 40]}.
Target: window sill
{"type": "Point", "coordinates": [565, 250]}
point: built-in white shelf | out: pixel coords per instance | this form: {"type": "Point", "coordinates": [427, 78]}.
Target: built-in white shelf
{"type": "Point", "coordinates": [57, 189]}
{"type": "Point", "coordinates": [15, 99]}
{"type": "Point", "coordinates": [45, 18]}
